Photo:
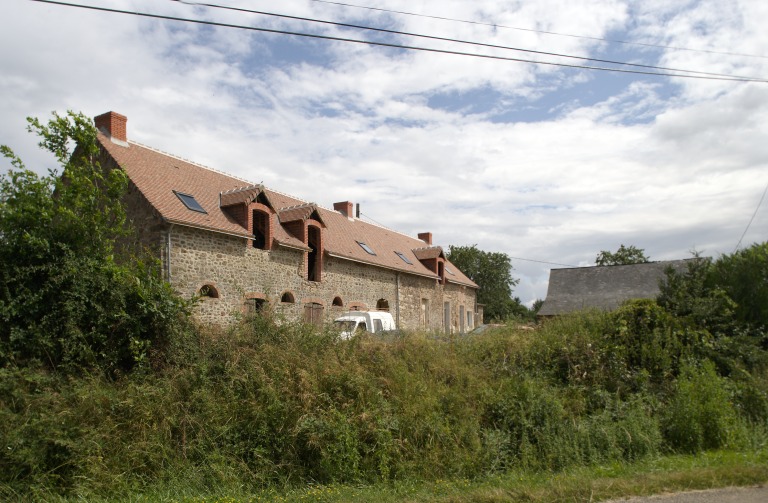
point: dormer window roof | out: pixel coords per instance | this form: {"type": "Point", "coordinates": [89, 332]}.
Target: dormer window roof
{"type": "Point", "coordinates": [190, 202]}
{"type": "Point", "coordinates": [366, 248]}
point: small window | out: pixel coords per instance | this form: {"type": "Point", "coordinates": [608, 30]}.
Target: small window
{"type": "Point", "coordinates": [190, 202]}
{"type": "Point", "coordinates": [366, 248]}
{"type": "Point", "coordinates": [254, 306]}
{"type": "Point", "coordinates": [287, 298]}
{"type": "Point", "coordinates": [338, 302]}
{"type": "Point", "coordinates": [404, 258]}
{"type": "Point", "coordinates": [208, 291]}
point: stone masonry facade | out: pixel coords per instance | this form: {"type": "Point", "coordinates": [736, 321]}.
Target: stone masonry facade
{"type": "Point", "coordinates": [203, 261]}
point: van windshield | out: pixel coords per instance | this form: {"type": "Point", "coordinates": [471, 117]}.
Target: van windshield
{"type": "Point", "coordinates": [345, 325]}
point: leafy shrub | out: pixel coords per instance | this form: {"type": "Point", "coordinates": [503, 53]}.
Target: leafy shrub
{"type": "Point", "coordinates": [65, 300]}
{"type": "Point", "coordinates": [700, 414]}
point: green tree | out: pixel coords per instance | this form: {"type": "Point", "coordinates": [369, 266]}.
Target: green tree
{"type": "Point", "coordinates": [625, 255]}
{"type": "Point", "coordinates": [65, 300]}
{"type": "Point", "coordinates": [492, 271]}
{"type": "Point", "coordinates": [694, 299]}
{"type": "Point", "coordinates": [743, 275]}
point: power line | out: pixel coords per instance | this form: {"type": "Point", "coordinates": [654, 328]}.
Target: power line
{"type": "Point", "coordinates": [543, 262]}
{"type": "Point", "coordinates": [494, 25]}
{"type": "Point", "coordinates": [513, 258]}
{"type": "Point", "coordinates": [444, 39]}
{"type": "Point", "coordinates": [398, 46]}
{"type": "Point", "coordinates": [751, 219]}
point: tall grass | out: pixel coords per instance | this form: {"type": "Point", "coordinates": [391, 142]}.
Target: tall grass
{"type": "Point", "coordinates": [277, 405]}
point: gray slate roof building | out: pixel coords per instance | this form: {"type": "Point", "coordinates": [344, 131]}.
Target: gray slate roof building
{"type": "Point", "coordinates": [604, 287]}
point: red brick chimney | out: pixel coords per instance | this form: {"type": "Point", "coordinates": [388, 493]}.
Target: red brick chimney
{"type": "Point", "coordinates": [426, 237]}
{"type": "Point", "coordinates": [113, 125]}
{"type": "Point", "coordinates": [344, 207]}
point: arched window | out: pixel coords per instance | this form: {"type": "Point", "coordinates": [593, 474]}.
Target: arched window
{"type": "Point", "coordinates": [382, 305]}
{"type": "Point", "coordinates": [337, 302]}
{"type": "Point", "coordinates": [209, 291]}
{"type": "Point", "coordinates": [287, 298]}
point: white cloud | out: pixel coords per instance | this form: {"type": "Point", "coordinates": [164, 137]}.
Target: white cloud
{"type": "Point", "coordinates": [582, 161]}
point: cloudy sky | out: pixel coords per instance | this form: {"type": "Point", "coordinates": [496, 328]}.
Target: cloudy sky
{"type": "Point", "coordinates": [548, 164]}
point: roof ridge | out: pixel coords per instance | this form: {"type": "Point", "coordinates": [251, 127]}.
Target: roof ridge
{"type": "Point", "coordinates": [243, 188]}
{"type": "Point", "coordinates": [302, 205]}
{"type": "Point", "coordinates": [193, 163]}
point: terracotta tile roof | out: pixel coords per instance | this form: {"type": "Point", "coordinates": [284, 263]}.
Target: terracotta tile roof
{"type": "Point", "coordinates": [240, 195]}
{"type": "Point", "coordinates": [428, 253]}
{"type": "Point", "coordinates": [157, 175]}
{"type": "Point", "coordinates": [296, 212]}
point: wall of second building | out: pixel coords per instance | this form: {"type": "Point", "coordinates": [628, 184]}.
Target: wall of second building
{"type": "Point", "coordinates": [237, 271]}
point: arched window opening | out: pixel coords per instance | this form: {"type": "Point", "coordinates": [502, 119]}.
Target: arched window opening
{"type": "Point", "coordinates": [260, 229]}
{"type": "Point", "coordinates": [209, 291]}
{"type": "Point", "coordinates": [337, 302]}
{"type": "Point", "coordinates": [288, 298]}
{"type": "Point", "coordinates": [314, 256]}
{"type": "Point", "coordinates": [382, 305]}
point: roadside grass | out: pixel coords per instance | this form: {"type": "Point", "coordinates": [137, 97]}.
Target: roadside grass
{"type": "Point", "coordinates": [665, 474]}
{"type": "Point", "coordinates": [583, 409]}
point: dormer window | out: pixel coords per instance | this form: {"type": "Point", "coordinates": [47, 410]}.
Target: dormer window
{"type": "Point", "coordinates": [260, 229]}
{"type": "Point", "coordinates": [403, 258]}
{"type": "Point", "coordinates": [190, 202]}
{"type": "Point", "coordinates": [367, 248]}
{"type": "Point", "coordinates": [315, 255]}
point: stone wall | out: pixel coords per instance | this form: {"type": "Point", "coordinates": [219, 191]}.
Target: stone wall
{"type": "Point", "coordinates": [232, 271]}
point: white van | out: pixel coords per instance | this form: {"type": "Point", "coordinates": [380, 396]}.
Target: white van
{"type": "Point", "coordinates": [355, 322]}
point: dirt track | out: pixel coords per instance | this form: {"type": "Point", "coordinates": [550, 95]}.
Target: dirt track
{"type": "Point", "coordinates": [755, 494]}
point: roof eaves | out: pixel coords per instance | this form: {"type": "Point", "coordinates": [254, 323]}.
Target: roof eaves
{"type": "Point", "coordinates": [374, 264]}
{"type": "Point", "coordinates": [206, 228]}
{"type": "Point", "coordinates": [463, 283]}
{"type": "Point", "coordinates": [285, 244]}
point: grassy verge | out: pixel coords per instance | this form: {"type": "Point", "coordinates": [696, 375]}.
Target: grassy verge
{"type": "Point", "coordinates": [577, 410]}
{"type": "Point", "coordinates": [581, 484]}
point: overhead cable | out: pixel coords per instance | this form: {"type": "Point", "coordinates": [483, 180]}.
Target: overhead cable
{"type": "Point", "coordinates": [399, 46]}
{"type": "Point", "coordinates": [494, 25]}
{"type": "Point", "coordinates": [751, 219]}
{"type": "Point", "coordinates": [445, 39]}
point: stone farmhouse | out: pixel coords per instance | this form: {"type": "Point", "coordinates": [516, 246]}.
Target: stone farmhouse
{"type": "Point", "coordinates": [243, 247]}
{"type": "Point", "coordinates": [604, 287]}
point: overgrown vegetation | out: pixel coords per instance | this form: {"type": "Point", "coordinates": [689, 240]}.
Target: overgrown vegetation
{"type": "Point", "coordinates": [106, 391]}
{"type": "Point", "coordinates": [66, 301]}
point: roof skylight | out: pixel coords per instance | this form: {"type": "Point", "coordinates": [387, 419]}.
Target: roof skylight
{"type": "Point", "coordinates": [404, 258]}
{"type": "Point", "coordinates": [366, 248]}
{"type": "Point", "coordinates": [190, 202]}
{"type": "Point", "coordinates": [448, 270]}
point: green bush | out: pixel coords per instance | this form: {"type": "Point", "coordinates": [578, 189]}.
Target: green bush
{"type": "Point", "coordinates": [700, 414]}
{"type": "Point", "coordinates": [66, 301]}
